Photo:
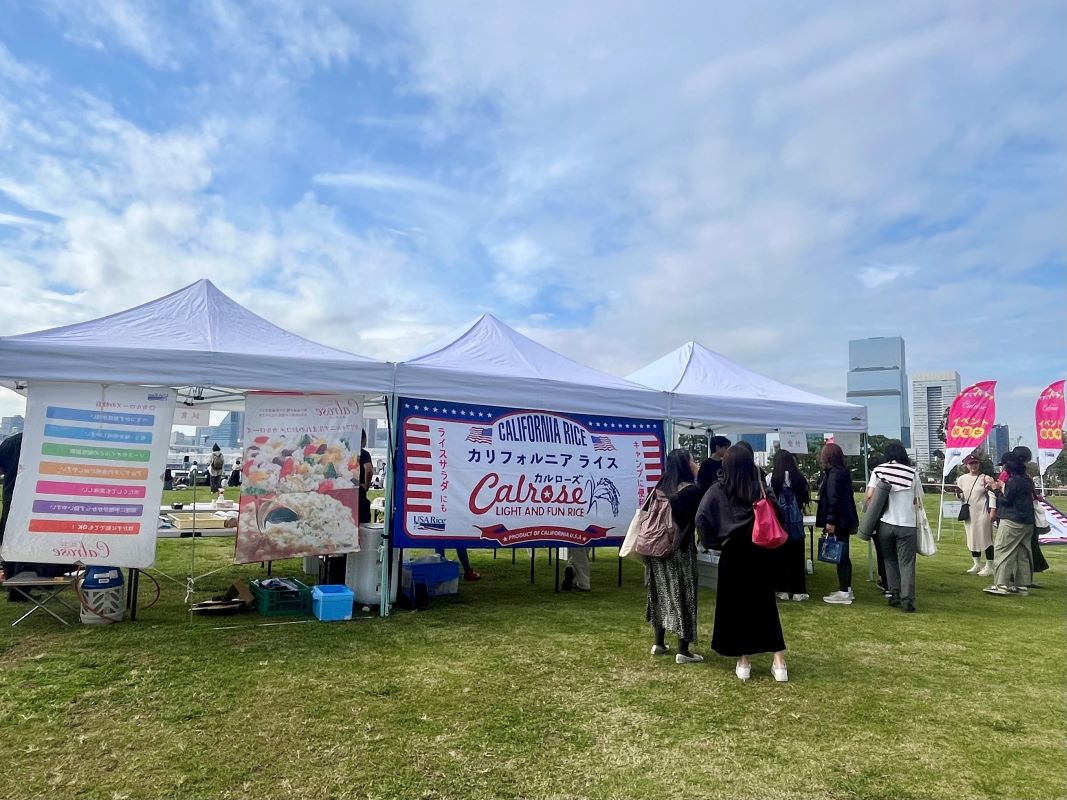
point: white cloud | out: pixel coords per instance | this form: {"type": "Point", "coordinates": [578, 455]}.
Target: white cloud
{"type": "Point", "coordinates": [875, 277]}
{"type": "Point", "coordinates": [615, 182]}
{"type": "Point", "coordinates": [135, 26]}
{"type": "Point", "coordinates": [381, 182]}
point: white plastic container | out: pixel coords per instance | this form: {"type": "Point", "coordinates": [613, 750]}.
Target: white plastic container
{"type": "Point", "coordinates": [363, 570]}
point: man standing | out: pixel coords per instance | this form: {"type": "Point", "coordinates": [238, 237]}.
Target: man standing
{"type": "Point", "coordinates": [215, 468]}
{"type": "Point", "coordinates": [711, 468]}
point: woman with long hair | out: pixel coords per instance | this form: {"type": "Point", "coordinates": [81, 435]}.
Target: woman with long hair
{"type": "Point", "coordinates": [836, 514]}
{"type": "Point", "coordinates": [746, 614]}
{"type": "Point", "coordinates": [1012, 559]}
{"type": "Point", "coordinates": [897, 527]}
{"type": "Point", "coordinates": [672, 580]}
{"type": "Point", "coordinates": [790, 489]}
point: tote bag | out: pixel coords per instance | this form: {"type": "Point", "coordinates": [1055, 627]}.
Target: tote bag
{"type": "Point", "coordinates": [830, 549]}
{"type": "Point", "coordinates": [766, 530]}
{"type": "Point", "coordinates": [926, 545]}
{"type": "Point", "coordinates": [628, 543]}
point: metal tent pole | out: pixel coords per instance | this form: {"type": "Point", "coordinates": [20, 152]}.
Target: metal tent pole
{"type": "Point", "coordinates": [387, 517]}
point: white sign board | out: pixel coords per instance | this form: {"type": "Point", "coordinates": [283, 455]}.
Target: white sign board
{"type": "Point", "coordinates": [951, 509]}
{"type": "Point", "coordinates": [848, 442]}
{"type": "Point", "coordinates": [796, 442]}
{"type": "Point", "coordinates": [199, 417]}
{"type": "Point", "coordinates": [90, 476]}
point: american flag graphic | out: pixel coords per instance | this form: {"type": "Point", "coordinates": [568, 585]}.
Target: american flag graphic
{"type": "Point", "coordinates": [602, 443]}
{"type": "Point", "coordinates": [480, 435]}
{"type": "Point", "coordinates": [418, 467]}
{"type": "Point", "coordinates": [653, 459]}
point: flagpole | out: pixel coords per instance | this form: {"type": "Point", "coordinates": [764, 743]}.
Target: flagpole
{"type": "Point", "coordinates": [941, 506]}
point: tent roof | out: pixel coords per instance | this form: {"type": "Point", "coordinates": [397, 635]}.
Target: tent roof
{"type": "Point", "coordinates": [486, 361]}
{"type": "Point", "coordinates": [196, 336]}
{"type": "Point", "coordinates": [709, 388]}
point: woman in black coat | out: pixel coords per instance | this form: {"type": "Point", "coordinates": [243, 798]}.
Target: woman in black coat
{"type": "Point", "coordinates": [836, 514]}
{"type": "Point", "coordinates": [746, 614]}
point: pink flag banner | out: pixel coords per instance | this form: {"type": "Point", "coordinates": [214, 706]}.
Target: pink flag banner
{"type": "Point", "coordinates": [1048, 418]}
{"type": "Point", "coordinates": [970, 421]}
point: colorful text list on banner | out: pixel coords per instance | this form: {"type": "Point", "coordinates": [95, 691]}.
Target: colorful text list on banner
{"type": "Point", "coordinates": [90, 477]}
{"type": "Point", "coordinates": [1048, 418]}
{"type": "Point", "coordinates": [970, 421]}
{"type": "Point", "coordinates": [481, 476]}
{"type": "Point", "coordinates": [300, 476]}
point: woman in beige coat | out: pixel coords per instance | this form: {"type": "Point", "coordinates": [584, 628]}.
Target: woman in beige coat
{"type": "Point", "coordinates": [972, 488]}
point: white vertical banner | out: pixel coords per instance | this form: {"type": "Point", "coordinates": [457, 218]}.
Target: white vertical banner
{"type": "Point", "coordinates": [90, 476]}
{"type": "Point", "coordinates": [300, 476]}
{"type": "Point", "coordinates": [848, 442]}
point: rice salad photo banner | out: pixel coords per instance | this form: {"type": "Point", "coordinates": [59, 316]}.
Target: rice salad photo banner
{"type": "Point", "coordinates": [90, 475]}
{"type": "Point", "coordinates": [299, 476]}
{"type": "Point", "coordinates": [486, 476]}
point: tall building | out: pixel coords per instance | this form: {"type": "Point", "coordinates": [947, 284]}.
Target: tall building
{"type": "Point", "coordinates": [227, 434]}
{"type": "Point", "coordinates": [9, 426]}
{"type": "Point", "coordinates": [931, 395]}
{"type": "Point", "coordinates": [998, 443]}
{"type": "Point", "coordinates": [877, 379]}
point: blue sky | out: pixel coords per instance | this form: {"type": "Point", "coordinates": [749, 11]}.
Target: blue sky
{"type": "Point", "coordinates": [771, 179]}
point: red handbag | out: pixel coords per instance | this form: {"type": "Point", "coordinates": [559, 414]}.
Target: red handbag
{"type": "Point", "coordinates": [766, 530]}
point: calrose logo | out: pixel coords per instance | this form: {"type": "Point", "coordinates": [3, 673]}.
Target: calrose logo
{"type": "Point", "coordinates": [78, 549]}
{"type": "Point", "coordinates": [336, 408]}
{"type": "Point", "coordinates": [159, 395]}
{"type": "Point", "coordinates": [428, 523]}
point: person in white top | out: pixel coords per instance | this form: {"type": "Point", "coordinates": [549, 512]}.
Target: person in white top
{"type": "Point", "coordinates": [897, 531]}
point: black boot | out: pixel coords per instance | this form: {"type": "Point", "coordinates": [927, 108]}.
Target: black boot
{"type": "Point", "coordinates": [568, 579]}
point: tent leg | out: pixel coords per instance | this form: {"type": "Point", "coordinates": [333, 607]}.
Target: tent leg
{"type": "Point", "coordinates": [620, 570]}
{"type": "Point", "coordinates": [557, 568]}
{"type": "Point", "coordinates": [134, 584]}
{"type": "Point", "coordinates": [513, 555]}
{"type": "Point", "coordinates": [393, 404]}
{"type": "Point", "coordinates": [533, 553]}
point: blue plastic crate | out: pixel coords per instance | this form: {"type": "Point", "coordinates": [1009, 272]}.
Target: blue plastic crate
{"type": "Point", "coordinates": [330, 602]}
{"type": "Point", "coordinates": [441, 578]}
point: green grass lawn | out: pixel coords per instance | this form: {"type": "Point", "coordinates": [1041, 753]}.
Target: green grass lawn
{"type": "Point", "coordinates": [512, 691]}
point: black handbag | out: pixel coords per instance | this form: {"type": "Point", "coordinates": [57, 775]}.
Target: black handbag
{"type": "Point", "coordinates": [965, 508]}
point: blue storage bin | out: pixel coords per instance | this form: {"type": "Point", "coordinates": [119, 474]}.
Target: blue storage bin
{"type": "Point", "coordinates": [441, 578]}
{"type": "Point", "coordinates": [330, 602]}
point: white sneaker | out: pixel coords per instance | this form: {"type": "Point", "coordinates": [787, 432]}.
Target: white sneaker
{"type": "Point", "coordinates": [839, 598]}
{"type": "Point", "coordinates": [985, 571]}
{"type": "Point", "coordinates": [782, 595]}
{"type": "Point", "coordinates": [692, 658]}
{"type": "Point", "coordinates": [781, 674]}
{"type": "Point", "coordinates": [801, 597]}
{"type": "Point", "coordinates": [974, 570]}
{"type": "Point", "coordinates": [658, 650]}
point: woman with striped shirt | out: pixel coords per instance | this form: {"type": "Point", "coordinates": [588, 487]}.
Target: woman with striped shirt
{"type": "Point", "coordinates": [897, 527]}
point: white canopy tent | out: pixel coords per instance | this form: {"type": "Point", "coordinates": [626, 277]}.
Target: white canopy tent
{"type": "Point", "coordinates": [485, 361]}
{"type": "Point", "coordinates": [196, 337]}
{"type": "Point", "coordinates": [196, 340]}
{"type": "Point", "coordinates": [707, 388]}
